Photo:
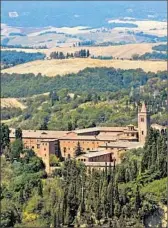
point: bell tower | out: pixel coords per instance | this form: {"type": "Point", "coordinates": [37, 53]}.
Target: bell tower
{"type": "Point", "coordinates": [143, 123]}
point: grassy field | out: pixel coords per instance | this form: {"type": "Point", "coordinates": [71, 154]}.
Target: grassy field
{"type": "Point", "coordinates": [11, 102]}
{"type": "Point", "coordinates": [121, 51]}
{"type": "Point", "coordinates": [62, 67]}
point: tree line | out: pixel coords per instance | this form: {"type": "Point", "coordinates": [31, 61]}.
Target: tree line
{"type": "Point", "coordinates": [155, 55]}
{"type": "Point", "coordinates": [104, 102]}
{"type": "Point", "coordinates": [12, 58]}
{"type": "Point", "coordinates": [160, 47]}
{"type": "Point", "coordinates": [83, 53]}
{"type": "Point", "coordinates": [89, 79]}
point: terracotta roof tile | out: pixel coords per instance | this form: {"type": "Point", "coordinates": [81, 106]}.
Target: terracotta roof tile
{"type": "Point", "coordinates": [39, 134]}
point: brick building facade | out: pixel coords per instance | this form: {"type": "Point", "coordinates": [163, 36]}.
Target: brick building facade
{"type": "Point", "coordinates": [115, 140]}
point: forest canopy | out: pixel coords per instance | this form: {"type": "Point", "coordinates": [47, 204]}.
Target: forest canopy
{"type": "Point", "coordinates": [89, 80]}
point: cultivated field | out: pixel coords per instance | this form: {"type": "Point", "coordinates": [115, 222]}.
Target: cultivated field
{"type": "Point", "coordinates": [62, 67]}
{"type": "Point", "coordinates": [67, 36]}
{"type": "Point", "coordinates": [158, 28]}
{"type": "Point", "coordinates": [11, 103]}
{"type": "Point", "coordinates": [121, 51]}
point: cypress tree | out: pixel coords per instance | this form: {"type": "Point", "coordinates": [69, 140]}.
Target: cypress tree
{"type": "Point", "coordinates": [21, 197]}
{"type": "Point", "coordinates": [70, 128]}
{"type": "Point", "coordinates": [87, 53]}
{"type": "Point", "coordinates": [84, 53]}
{"type": "Point", "coordinates": [18, 133]}
{"type": "Point", "coordinates": [78, 150]}
{"type": "Point", "coordinates": [137, 199]}
{"type": "Point", "coordinates": [98, 211]}
{"type": "Point", "coordinates": [44, 126]}
{"type": "Point", "coordinates": [110, 196]}
{"type": "Point", "coordinates": [154, 153]}
{"type": "Point", "coordinates": [40, 188]}
{"type": "Point", "coordinates": [4, 131]}
{"type": "Point", "coordinates": [55, 220]}
{"type": "Point", "coordinates": [117, 210]}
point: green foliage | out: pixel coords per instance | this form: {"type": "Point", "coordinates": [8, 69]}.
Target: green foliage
{"type": "Point", "coordinates": [12, 58]}
{"type": "Point", "coordinates": [154, 55]}
{"type": "Point", "coordinates": [18, 133]}
{"type": "Point", "coordinates": [74, 198]}
{"type": "Point", "coordinates": [4, 136]}
{"type": "Point", "coordinates": [146, 164]}
{"type": "Point", "coordinates": [8, 217]}
{"type": "Point", "coordinates": [90, 80]}
{"type": "Point", "coordinates": [78, 150]}
{"type": "Point", "coordinates": [81, 110]}
{"type": "Point", "coordinates": [135, 56]}
{"type": "Point", "coordinates": [21, 180]}
{"type": "Point", "coordinates": [16, 150]}
{"type": "Point", "coordinates": [155, 153]}
{"type": "Point", "coordinates": [57, 55]}
{"type": "Point", "coordinates": [43, 126]}
{"type": "Point", "coordinates": [157, 188]}
{"type": "Point", "coordinates": [54, 161]}
{"type": "Point", "coordinates": [123, 197]}
{"type": "Point", "coordinates": [160, 47]}
{"type": "Point", "coordinates": [10, 112]}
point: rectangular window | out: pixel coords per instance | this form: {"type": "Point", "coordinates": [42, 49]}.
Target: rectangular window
{"type": "Point", "coordinates": [142, 119]}
{"type": "Point", "coordinates": [142, 132]}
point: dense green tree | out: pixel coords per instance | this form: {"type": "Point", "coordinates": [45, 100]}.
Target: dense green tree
{"type": "Point", "coordinates": [8, 218]}
{"type": "Point", "coordinates": [13, 58]}
{"type": "Point", "coordinates": [18, 133]}
{"type": "Point", "coordinates": [4, 136]}
{"type": "Point", "coordinates": [137, 199]}
{"type": "Point", "coordinates": [87, 53]}
{"type": "Point", "coordinates": [44, 126]}
{"type": "Point", "coordinates": [16, 150]}
{"type": "Point", "coordinates": [78, 150]}
{"type": "Point", "coordinates": [40, 189]}
{"type": "Point", "coordinates": [70, 127]}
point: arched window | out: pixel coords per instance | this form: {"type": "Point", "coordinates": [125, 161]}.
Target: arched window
{"type": "Point", "coordinates": [142, 119]}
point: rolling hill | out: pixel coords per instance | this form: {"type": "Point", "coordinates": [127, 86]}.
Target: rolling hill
{"type": "Point", "coordinates": [61, 67]}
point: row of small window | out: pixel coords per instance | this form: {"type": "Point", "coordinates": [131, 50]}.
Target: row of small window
{"type": "Point", "coordinates": [85, 142]}
{"type": "Point", "coordinates": [27, 147]}
{"type": "Point", "coordinates": [65, 149]}
{"type": "Point", "coordinates": [132, 134]}
{"type": "Point", "coordinates": [82, 160]}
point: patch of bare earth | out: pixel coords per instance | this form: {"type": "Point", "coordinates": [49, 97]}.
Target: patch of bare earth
{"type": "Point", "coordinates": [11, 103]}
